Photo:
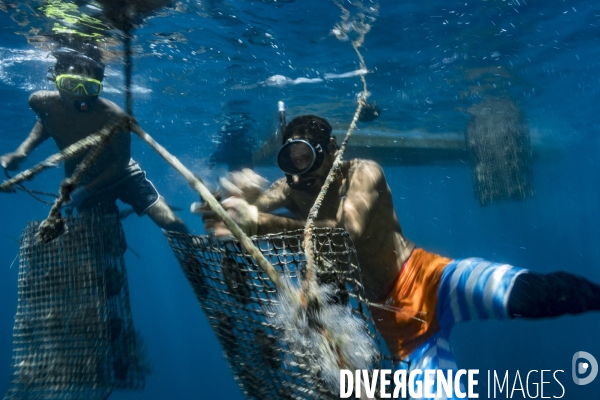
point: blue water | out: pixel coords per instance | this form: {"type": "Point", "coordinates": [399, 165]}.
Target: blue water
{"type": "Point", "coordinates": [193, 63]}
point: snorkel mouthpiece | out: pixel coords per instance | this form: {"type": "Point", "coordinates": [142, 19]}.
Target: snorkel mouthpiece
{"type": "Point", "coordinates": [84, 104]}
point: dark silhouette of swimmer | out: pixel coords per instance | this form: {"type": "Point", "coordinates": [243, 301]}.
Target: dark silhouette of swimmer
{"type": "Point", "coordinates": [234, 142]}
{"type": "Point", "coordinates": [75, 111]}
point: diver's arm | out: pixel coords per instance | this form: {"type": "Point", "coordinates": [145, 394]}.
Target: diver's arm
{"type": "Point", "coordinates": [274, 198]}
{"type": "Point", "coordinates": [277, 197]}
{"type": "Point", "coordinates": [116, 156]}
{"type": "Point", "coordinates": [361, 200]}
{"type": "Point", "coordinates": [37, 136]}
{"type": "Point", "coordinates": [259, 214]}
{"type": "Point", "coordinates": [356, 208]}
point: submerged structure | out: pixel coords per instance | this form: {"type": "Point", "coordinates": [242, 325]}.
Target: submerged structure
{"type": "Point", "coordinates": [240, 302]}
{"type": "Point", "coordinates": [73, 335]}
{"type": "Point", "coordinates": [500, 151]}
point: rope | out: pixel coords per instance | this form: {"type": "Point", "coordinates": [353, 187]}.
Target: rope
{"type": "Point", "coordinates": [194, 182]}
{"type": "Point", "coordinates": [309, 284]}
{"type": "Point", "coordinates": [32, 193]}
{"type": "Point", "coordinates": [54, 225]}
{"type": "Point", "coordinates": [214, 204]}
{"type": "Point", "coordinates": [310, 288]}
{"type": "Point", "coordinates": [128, 72]}
{"type": "Point", "coordinates": [65, 154]}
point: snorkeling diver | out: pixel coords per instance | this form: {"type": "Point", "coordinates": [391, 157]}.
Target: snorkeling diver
{"type": "Point", "coordinates": [71, 113]}
{"type": "Point", "coordinates": [429, 292]}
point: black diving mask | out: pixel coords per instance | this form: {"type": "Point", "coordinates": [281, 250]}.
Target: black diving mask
{"type": "Point", "coordinates": [300, 156]}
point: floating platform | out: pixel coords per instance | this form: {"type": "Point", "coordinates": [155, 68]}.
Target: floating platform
{"type": "Point", "coordinates": [413, 147]}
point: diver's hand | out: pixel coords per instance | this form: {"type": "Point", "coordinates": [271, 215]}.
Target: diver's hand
{"type": "Point", "coordinates": [246, 184]}
{"type": "Point", "coordinates": [200, 207]}
{"type": "Point", "coordinates": [11, 161]}
{"type": "Point", "coordinates": [242, 213]}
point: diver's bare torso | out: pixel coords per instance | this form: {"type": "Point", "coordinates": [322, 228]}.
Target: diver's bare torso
{"type": "Point", "coordinates": [369, 217]}
{"type": "Point", "coordinates": [67, 126]}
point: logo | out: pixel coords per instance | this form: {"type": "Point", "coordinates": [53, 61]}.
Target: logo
{"type": "Point", "coordinates": [584, 367]}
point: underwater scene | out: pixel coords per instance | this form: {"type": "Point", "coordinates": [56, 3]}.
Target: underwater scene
{"type": "Point", "coordinates": [467, 191]}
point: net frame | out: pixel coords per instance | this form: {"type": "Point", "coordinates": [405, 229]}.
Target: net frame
{"type": "Point", "coordinates": [73, 336]}
{"type": "Point", "coordinates": [236, 296]}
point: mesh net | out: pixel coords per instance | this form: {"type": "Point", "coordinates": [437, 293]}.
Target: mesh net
{"type": "Point", "coordinates": [233, 293]}
{"type": "Point", "coordinates": [73, 334]}
{"type": "Point", "coordinates": [500, 151]}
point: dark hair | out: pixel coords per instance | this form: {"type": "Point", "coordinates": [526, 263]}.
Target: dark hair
{"type": "Point", "coordinates": [308, 126]}
{"type": "Point", "coordinates": [68, 58]}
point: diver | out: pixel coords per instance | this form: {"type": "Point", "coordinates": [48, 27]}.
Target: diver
{"type": "Point", "coordinates": [431, 292]}
{"type": "Point", "coordinates": [75, 111]}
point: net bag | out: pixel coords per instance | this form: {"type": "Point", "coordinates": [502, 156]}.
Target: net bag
{"type": "Point", "coordinates": [73, 336]}
{"type": "Point", "coordinates": [500, 151]}
{"type": "Point", "coordinates": [234, 294]}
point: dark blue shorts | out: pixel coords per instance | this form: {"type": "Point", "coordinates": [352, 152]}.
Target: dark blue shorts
{"type": "Point", "coordinates": [135, 189]}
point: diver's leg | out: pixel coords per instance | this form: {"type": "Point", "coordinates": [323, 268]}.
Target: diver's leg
{"type": "Point", "coordinates": [551, 295]}
{"type": "Point", "coordinates": [164, 217]}
{"type": "Point", "coordinates": [140, 193]}
{"type": "Point", "coordinates": [454, 288]}
{"type": "Point", "coordinates": [469, 289]}
{"type": "Point", "coordinates": [434, 355]}
{"type": "Point", "coordinates": [474, 289]}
